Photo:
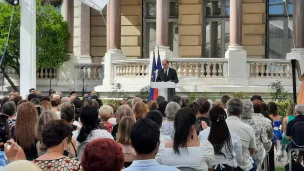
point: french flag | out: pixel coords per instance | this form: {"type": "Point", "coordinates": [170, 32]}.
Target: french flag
{"type": "Point", "coordinates": [155, 68]}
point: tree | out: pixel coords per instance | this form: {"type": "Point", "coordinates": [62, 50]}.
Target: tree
{"type": "Point", "coordinates": [52, 37]}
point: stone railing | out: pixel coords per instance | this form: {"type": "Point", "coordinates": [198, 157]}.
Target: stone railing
{"type": "Point", "coordinates": [269, 68]}
{"type": "Point", "coordinates": [46, 73]}
{"type": "Point", "coordinates": [89, 71]}
{"type": "Point", "coordinates": [200, 67]}
{"type": "Point", "coordinates": [42, 73]}
{"type": "Point", "coordinates": [131, 68]}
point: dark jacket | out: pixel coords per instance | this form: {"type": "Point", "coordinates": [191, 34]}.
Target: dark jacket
{"type": "Point", "coordinates": [162, 76]}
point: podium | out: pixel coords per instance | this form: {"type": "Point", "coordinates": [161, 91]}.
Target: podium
{"type": "Point", "coordinates": [166, 89]}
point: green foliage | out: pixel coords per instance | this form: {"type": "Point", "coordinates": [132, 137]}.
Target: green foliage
{"type": "Point", "coordinates": [13, 50]}
{"type": "Point", "coordinates": [116, 102]}
{"type": "Point", "coordinates": [240, 95]}
{"type": "Point", "coordinates": [144, 93]}
{"type": "Point", "coordinates": [283, 107]}
{"type": "Point", "coordinates": [118, 92]}
{"type": "Point", "coordinates": [52, 36]}
{"type": "Point", "coordinates": [277, 92]}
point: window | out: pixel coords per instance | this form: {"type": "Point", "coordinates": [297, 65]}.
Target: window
{"type": "Point", "coordinates": [279, 41]}
{"type": "Point", "coordinates": [216, 32]}
{"type": "Point", "coordinates": [149, 27]}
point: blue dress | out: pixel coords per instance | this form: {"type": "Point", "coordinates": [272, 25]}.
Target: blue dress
{"type": "Point", "coordinates": [276, 131]}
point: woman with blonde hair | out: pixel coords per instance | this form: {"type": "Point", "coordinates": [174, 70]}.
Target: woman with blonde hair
{"type": "Point", "coordinates": [44, 118]}
{"type": "Point", "coordinates": [105, 113]}
{"type": "Point", "coordinates": [24, 133]}
{"type": "Point", "coordinates": [46, 105]}
{"type": "Point", "coordinates": [122, 112]}
{"type": "Point", "coordinates": [140, 110]}
{"type": "Point", "coordinates": [123, 139]}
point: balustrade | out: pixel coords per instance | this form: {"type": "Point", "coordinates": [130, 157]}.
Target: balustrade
{"type": "Point", "coordinates": [46, 73]}
{"type": "Point", "coordinates": [268, 68]}
{"type": "Point", "coordinates": [131, 68]}
{"type": "Point", "coordinates": [199, 67]}
{"type": "Point", "coordinates": [89, 71]}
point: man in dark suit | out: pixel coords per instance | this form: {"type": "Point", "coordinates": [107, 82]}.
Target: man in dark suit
{"type": "Point", "coordinates": [167, 74]}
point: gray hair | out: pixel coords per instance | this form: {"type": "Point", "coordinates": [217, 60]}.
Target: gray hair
{"type": "Point", "coordinates": [135, 100]}
{"type": "Point", "coordinates": [299, 109]}
{"type": "Point", "coordinates": [171, 110]}
{"type": "Point", "coordinates": [235, 106]}
{"type": "Point", "coordinates": [248, 109]}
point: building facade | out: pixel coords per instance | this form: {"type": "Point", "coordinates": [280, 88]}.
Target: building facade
{"type": "Point", "coordinates": [215, 45]}
{"type": "Point", "coordinates": [196, 28]}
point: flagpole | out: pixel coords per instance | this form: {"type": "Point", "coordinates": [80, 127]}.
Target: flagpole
{"type": "Point", "coordinates": [152, 79]}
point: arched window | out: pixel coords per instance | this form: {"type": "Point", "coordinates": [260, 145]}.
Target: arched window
{"type": "Point", "coordinates": [149, 27]}
{"type": "Point", "coordinates": [216, 28]}
{"type": "Point", "coordinates": [279, 36]}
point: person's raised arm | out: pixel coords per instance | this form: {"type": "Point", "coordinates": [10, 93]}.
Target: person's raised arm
{"type": "Point", "coordinates": [13, 151]}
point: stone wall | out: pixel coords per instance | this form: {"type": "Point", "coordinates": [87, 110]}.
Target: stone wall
{"type": "Point", "coordinates": [254, 19]}
{"type": "Point", "coordinates": [131, 28]}
{"type": "Point", "coordinates": [98, 34]}
{"type": "Point", "coordinates": [190, 28]}
{"type": "Point", "coordinates": [77, 14]}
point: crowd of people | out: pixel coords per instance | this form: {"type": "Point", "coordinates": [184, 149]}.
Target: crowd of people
{"type": "Point", "coordinates": [53, 133]}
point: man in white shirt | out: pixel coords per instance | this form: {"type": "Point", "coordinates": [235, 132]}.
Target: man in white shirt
{"type": "Point", "coordinates": [145, 141]}
{"type": "Point", "coordinates": [235, 108]}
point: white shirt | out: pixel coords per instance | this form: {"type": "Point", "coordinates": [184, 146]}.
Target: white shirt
{"type": "Point", "coordinates": [95, 134]}
{"type": "Point", "coordinates": [199, 158]}
{"type": "Point", "coordinates": [246, 133]}
{"type": "Point", "coordinates": [236, 147]}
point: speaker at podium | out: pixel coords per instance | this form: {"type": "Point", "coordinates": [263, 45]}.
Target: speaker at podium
{"type": "Point", "coordinates": [165, 89]}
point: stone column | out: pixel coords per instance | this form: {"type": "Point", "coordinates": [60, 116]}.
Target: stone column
{"type": "Point", "coordinates": [67, 11]}
{"type": "Point", "coordinates": [27, 46]}
{"type": "Point", "coordinates": [113, 43]}
{"type": "Point", "coordinates": [236, 55]}
{"type": "Point", "coordinates": [298, 23]}
{"type": "Point", "coordinates": [162, 31]}
{"type": "Point", "coordinates": [108, 26]}
{"type": "Point", "coordinates": [236, 22]}
{"type": "Point", "coordinates": [297, 53]}
{"type": "Point", "coordinates": [162, 22]}
{"type": "Point", "coordinates": [85, 34]}
{"type": "Point", "coordinates": [115, 24]}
